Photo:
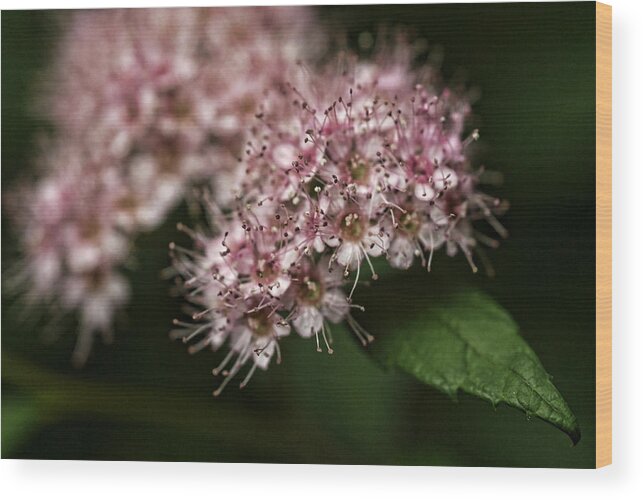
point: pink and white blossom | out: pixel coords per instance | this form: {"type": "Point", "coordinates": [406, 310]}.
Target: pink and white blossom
{"type": "Point", "coordinates": [144, 102]}
{"type": "Point", "coordinates": [337, 169]}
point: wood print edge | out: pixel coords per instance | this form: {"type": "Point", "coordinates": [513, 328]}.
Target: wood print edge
{"type": "Point", "coordinates": [603, 235]}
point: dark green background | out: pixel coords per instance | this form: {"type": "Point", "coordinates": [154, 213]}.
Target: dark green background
{"type": "Point", "coordinates": [145, 398]}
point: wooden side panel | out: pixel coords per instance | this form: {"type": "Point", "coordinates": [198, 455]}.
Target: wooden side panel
{"type": "Point", "coordinates": [603, 235]}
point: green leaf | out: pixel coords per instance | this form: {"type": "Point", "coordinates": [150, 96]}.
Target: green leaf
{"type": "Point", "coordinates": [21, 418]}
{"type": "Point", "coordinates": [463, 340]}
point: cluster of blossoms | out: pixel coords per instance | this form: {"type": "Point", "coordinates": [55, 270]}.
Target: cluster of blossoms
{"type": "Point", "coordinates": [144, 103]}
{"type": "Point", "coordinates": [313, 173]}
{"type": "Point", "coordinates": [374, 164]}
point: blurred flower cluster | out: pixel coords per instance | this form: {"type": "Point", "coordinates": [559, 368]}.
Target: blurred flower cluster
{"type": "Point", "coordinates": [143, 102]}
{"type": "Point", "coordinates": [314, 170]}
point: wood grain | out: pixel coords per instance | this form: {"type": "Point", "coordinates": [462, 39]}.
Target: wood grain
{"type": "Point", "coordinates": [603, 235]}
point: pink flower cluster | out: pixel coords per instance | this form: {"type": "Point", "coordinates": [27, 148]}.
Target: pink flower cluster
{"type": "Point", "coordinates": [371, 162]}
{"type": "Point", "coordinates": [314, 172]}
{"type": "Point", "coordinates": [144, 102]}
